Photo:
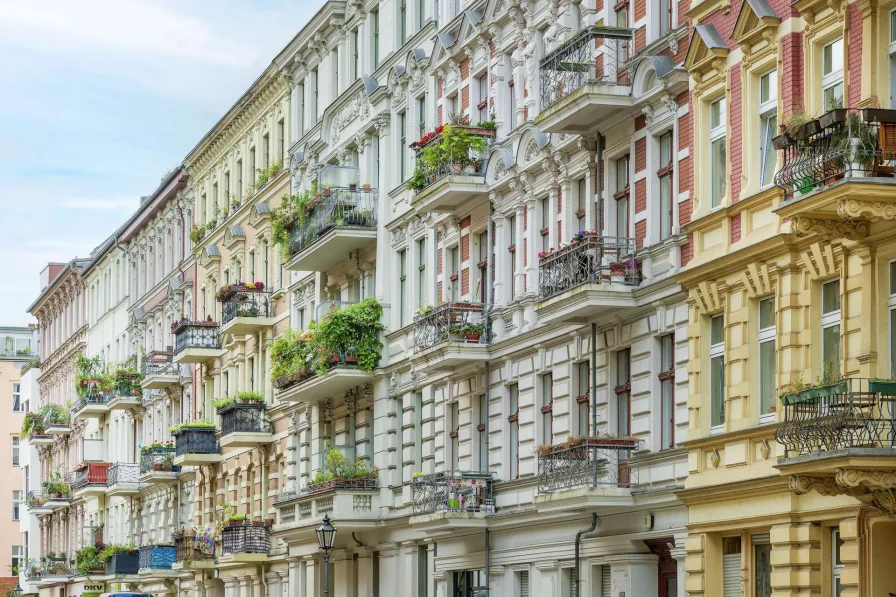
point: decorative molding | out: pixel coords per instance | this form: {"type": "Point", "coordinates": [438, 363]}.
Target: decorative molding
{"type": "Point", "coordinates": [859, 209]}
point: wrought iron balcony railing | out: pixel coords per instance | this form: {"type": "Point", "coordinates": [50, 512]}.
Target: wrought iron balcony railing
{"type": "Point", "coordinates": [247, 538]}
{"type": "Point", "coordinates": [91, 474]}
{"type": "Point", "coordinates": [451, 322]}
{"type": "Point", "coordinates": [345, 359]}
{"type": "Point", "coordinates": [246, 304]}
{"type": "Point", "coordinates": [196, 440]}
{"type": "Point", "coordinates": [292, 493]}
{"type": "Point", "coordinates": [35, 499]}
{"type": "Point", "coordinates": [456, 159]}
{"type": "Point", "coordinates": [90, 399]}
{"type": "Point", "coordinates": [852, 413]}
{"type": "Point", "coordinates": [341, 207]}
{"type": "Point", "coordinates": [841, 143]}
{"type": "Point", "coordinates": [156, 557]}
{"type": "Point", "coordinates": [159, 362]}
{"type": "Point", "coordinates": [596, 55]}
{"type": "Point", "coordinates": [188, 549]}
{"type": "Point", "coordinates": [594, 462]}
{"type": "Point", "coordinates": [124, 472]}
{"type": "Point", "coordinates": [244, 418]}
{"type": "Point", "coordinates": [453, 491]}
{"type": "Point", "coordinates": [158, 459]}
{"type": "Point", "coordinates": [592, 259]}
{"type": "Point", "coordinates": [196, 334]}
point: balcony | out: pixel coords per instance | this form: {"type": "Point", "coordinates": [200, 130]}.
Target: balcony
{"type": "Point", "coordinates": [245, 311]}
{"type": "Point", "coordinates": [584, 83]}
{"type": "Point", "coordinates": [245, 544]}
{"type": "Point", "coordinates": [450, 336]}
{"type": "Point", "coordinates": [595, 275]}
{"type": "Point", "coordinates": [342, 375]}
{"type": "Point", "coordinates": [196, 342]}
{"type": "Point", "coordinates": [159, 370]}
{"type": "Point", "coordinates": [54, 571]}
{"type": "Point", "coordinates": [342, 222]}
{"type": "Point", "coordinates": [355, 500]}
{"type": "Point", "coordinates": [58, 493]}
{"type": "Point", "coordinates": [244, 425]}
{"type": "Point", "coordinates": [595, 472]}
{"type": "Point", "coordinates": [157, 465]}
{"type": "Point", "coordinates": [125, 399]}
{"type": "Point", "coordinates": [91, 479]}
{"type": "Point", "coordinates": [40, 439]}
{"type": "Point", "coordinates": [450, 168]}
{"type": "Point", "coordinates": [90, 406]}
{"type": "Point", "coordinates": [196, 446]}
{"type": "Point", "coordinates": [190, 554]}
{"type": "Point", "coordinates": [157, 561]}
{"type": "Point", "coordinates": [36, 502]}
{"type": "Point", "coordinates": [123, 479]}
{"type": "Point", "coordinates": [460, 498]}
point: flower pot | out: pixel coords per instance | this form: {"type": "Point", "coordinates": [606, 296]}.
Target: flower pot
{"type": "Point", "coordinates": [351, 359]}
{"type": "Point", "coordinates": [832, 117]}
{"type": "Point", "coordinates": [879, 115]}
{"type": "Point", "coordinates": [457, 167]}
{"type": "Point", "coordinates": [156, 466]}
{"type": "Point", "coordinates": [472, 336]}
{"type": "Point", "coordinates": [365, 187]}
{"type": "Point", "coordinates": [235, 523]}
{"type": "Point", "coordinates": [882, 387]}
{"type": "Point", "coordinates": [352, 187]}
{"type": "Point", "coordinates": [469, 169]}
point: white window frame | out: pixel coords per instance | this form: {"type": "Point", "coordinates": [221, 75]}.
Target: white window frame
{"type": "Point", "coordinates": [829, 320]}
{"type": "Point", "coordinates": [716, 350]}
{"type": "Point", "coordinates": [16, 504]}
{"type": "Point", "coordinates": [18, 555]}
{"type": "Point", "coordinates": [891, 23]}
{"type": "Point", "coordinates": [16, 451]}
{"type": "Point", "coordinates": [717, 133]}
{"type": "Point", "coordinates": [765, 335]}
{"type": "Point", "coordinates": [891, 312]}
{"type": "Point", "coordinates": [836, 568]}
{"type": "Point", "coordinates": [768, 122]}
{"type": "Point", "coordinates": [17, 405]}
{"type": "Point", "coordinates": [833, 78]}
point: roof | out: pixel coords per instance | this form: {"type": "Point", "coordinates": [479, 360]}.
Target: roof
{"type": "Point", "coordinates": [710, 37]}
{"type": "Point", "coordinates": [762, 9]}
{"type": "Point", "coordinates": [76, 266]}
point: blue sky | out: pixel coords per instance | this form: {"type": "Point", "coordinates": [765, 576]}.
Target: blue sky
{"type": "Point", "coordinates": [100, 98]}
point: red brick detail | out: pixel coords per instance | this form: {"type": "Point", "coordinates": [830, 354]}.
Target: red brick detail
{"type": "Point", "coordinates": [439, 298]}
{"type": "Point", "coordinates": [440, 260]}
{"type": "Point", "coordinates": [491, 45]}
{"type": "Point", "coordinates": [559, 200]}
{"type": "Point", "coordinates": [525, 112]}
{"type": "Point", "coordinates": [735, 228]}
{"type": "Point", "coordinates": [683, 98]}
{"type": "Point", "coordinates": [465, 247]}
{"type": "Point", "coordinates": [640, 9]}
{"type": "Point", "coordinates": [465, 222]}
{"type": "Point", "coordinates": [465, 69]}
{"type": "Point", "coordinates": [441, 120]}
{"type": "Point", "coordinates": [560, 231]}
{"type": "Point", "coordinates": [640, 39]}
{"type": "Point", "coordinates": [792, 73]}
{"type": "Point", "coordinates": [685, 209]}
{"type": "Point", "coordinates": [687, 250]}
{"type": "Point", "coordinates": [640, 232]}
{"type": "Point", "coordinates": [640, 196]}
{"type": "Point", "coordinates": [735, 145]}
{"type": "Point", "coordinates": [640, 122]}
{"type": "Point", "coordinates": [441, 87]}
{"type": "Point", "coordinates": [724, 22]}
{"type": "Point", "coordinates": [465, 98]}
{"type": "Point", "coordinates": [640, 154]}
{"type": "Point", "coordinates": [525, 220]}
{"type": "Point", "coordinates": [465, 280]}
{"type": "Point", "coordinates": [600, 5]}
{"type": "Point", "coordinates": [854, 55]}
{"type": "Point", "coordinates": [525, 252]}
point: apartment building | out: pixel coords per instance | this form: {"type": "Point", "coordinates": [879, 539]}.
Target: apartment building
{"type": "Point", "coordinates": [29, 523]}
{"type": "Point", "coordinates": [789, 294]}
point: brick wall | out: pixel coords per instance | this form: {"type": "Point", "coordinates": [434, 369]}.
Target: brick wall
{"type": "Point", "coordinates": [854, 56]}
{"type": "Point", "coordinates": [640, 154]}
{"type": "Point", "coordinates": [736, 142]}
{"type": "Point", "coordinates": [465, 280]}
{"type": "Point", "coordinates": [685, 166]}
{"type": "Point", "coordinates": [792, 75]}
{"type": "Point", "coordinates": [640, 9]}
{"type": "Point", "coordinates": [465, 69]}
{"type": "Point", "coordinates": [641, 232]}
{"type": "Point", "coordinates": [640, 196]}
{"type": "Point", "coordinates": [465, 98]}
{"type": "Point", "coordinates": [465, 247]}
{"type": "Point", "coordinates": [687, 250]}
{"type": "Point", "coordinates": [735, 228]}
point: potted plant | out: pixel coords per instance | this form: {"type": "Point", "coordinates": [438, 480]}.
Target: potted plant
{"type": "Point", "coordinates": [832, 117]}
{"type": "Point", "coordinates": [365, 187]}
{"type": "Point", "coordinates": [472, 332]}
{"type": "Point", "coordinates": [121, 559]}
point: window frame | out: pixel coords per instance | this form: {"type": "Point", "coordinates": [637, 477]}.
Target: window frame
{"type": "Point", "coordinates": [402, 286]}
{"type": "Point", "coordinates": [546, 385]}
{"type": "Point", "coordinates": [454, 434]}
{"type": "Point", "coordinates": [622, 195]}
{"type": "Point", "coordinates": [768, 124]}
{"type": "Point", "coordinates": [623, 390]}
{"type": "Point", "coordinates": [582, 203]}
{"type": "Point", "coordinates": [583, 399]}
{"type": "Point", "coordinates": [665, 174]}
{"type": "Point", "coordinates": [16, 451]}
{"type": "Point", "coordinates": [17, 405]}
{"type": "Point", "coordinates": [891, 308]}
{"type": "Point", "coordinates": [482, 429]}
{"type": "Point", "coordinates": [421, 271]}
{"type": "Point", "coordinates": [666, 378]}
{"type": "Point", "coordinates": [717, 351]}
{"type": "Point", "coordinates": [836, 76]}
{"type": "Point", "coordinates": [829, 320]}
{"type": "Point", "coordinates": [513, 419]}
{"type": "Point", "coordinates": [718, 133]}
{"type": "Point", "coordinates": [16, 504]}
{"type": "Point", "coordinates": [767, 335]}
{"type": "Point", "coordinates": [837, 565]}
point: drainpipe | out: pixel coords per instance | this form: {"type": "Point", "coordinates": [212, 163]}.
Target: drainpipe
{"type": "Point", "coordinates": [488, 562]}
{"type": "Point", "coordinates": [600, 183]}
{"type": "Point", "coordinates": [579, 536]}
{"type": "Point", "coordinates": [593, 391]}
{"type": "Point", "coordinates": [264, 580]}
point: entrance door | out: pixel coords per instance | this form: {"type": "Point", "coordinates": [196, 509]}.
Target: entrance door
{"type": "Point", "coordinates": [667, 572]}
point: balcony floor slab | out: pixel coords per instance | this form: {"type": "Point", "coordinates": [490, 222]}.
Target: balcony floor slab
{"type": "Point", "coordinates": [331, 249]}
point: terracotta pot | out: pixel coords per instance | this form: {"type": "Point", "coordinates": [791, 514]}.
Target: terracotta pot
{"type": "Point", "coordinates": [472, 336]}
{"type": "Point", "coordinates": [156, 466]}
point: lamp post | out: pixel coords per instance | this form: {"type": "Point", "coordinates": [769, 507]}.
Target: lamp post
{"type": "Point", "coordinates": [326, 537]}
{"type": "Point", "coordinates": [17, 592]}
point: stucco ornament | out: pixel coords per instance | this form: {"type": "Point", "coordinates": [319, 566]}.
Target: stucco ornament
{"type": "Point", "coordinates": [357, 107]}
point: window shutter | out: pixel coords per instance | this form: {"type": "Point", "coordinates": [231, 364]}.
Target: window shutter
{"type": "Point", "coordinates": [605, 584]}
{"type": "Point", "coordinates": [524, 583]}
{"type": "Point", "coordinates": [731, 586]}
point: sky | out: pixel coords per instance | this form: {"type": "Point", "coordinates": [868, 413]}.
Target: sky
{"type": "Point", "coordinates": [98, 99]}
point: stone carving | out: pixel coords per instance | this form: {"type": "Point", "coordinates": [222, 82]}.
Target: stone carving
{"type": "Point", "coordinates": [500, 169]}
{"type": "Point", "coordinates": [801, 485]}
{"type": "Point", "coordinates": [398, 236]}
{"type": "Point", "coordinates": [858, 209]}
{"type": "Point", "coordinates": [357, 107]}
{"type": "Point", "coordinates": [885, 501]}
{"type": "Point", "coordinates": [829, 227]}
{"type": "Point", "coordinates": [869, 479]}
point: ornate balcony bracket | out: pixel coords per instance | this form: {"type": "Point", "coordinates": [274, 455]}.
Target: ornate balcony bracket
{"type": "Point", "coordinates": [859, 209]}
{"type": "Point", "coordinates": [829, 227]}
{"type": "Point", "coordinates": [874, 487]}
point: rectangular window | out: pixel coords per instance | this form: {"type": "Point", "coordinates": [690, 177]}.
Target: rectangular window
{"type": "Point", "coordinates": [665, 16]}
{"type": "Point", "coordinates": [455, 435]}
{"type": "Point", "coordinates": [355, 54]}
{"type": "Point", "coordinates": [667, 390]}
{"type": "Point", "coordinates": [454, 264]}
{"type": "Point", "coordinates": [18, 555]}
{"type": "Point", "coordinates": [836, 563]}
{"type": "Point", "coordinates": [762, 565]}
{"type": "Point", "coordinates": [421, 116]}
{"type": "Point", "coordinates": [830, 329]}
{"type": "Point", "coordinates": [252, 168]}
{"type": "Point", "coordinates": [623, 392]}
{"type": "Point", "coordinates": [375, 20]}
{"type": "Point", "coordinates": [281, 139]}
{"type": "Point", "coordinates": [582, 212]}
{"type": "Point", "coordinates": [15, 451]}
{"type": "Point", "coordinates": [403, 146]}
{"type": "Point", "coordinates": [421, 272]}
{"type": "Point", "coordinates": [512, 250]}
{"type": "Point", "coordinates": [891, 304]}
{"type": "Point", "coordinates": [717, 371]}
{"type": "Point", "coordinates": [483, 268]}
{"type": "Point", "coordinates": [767, 384]}
{"type": "Point", "coordinates": [665, 179]}
{"type": "Point", "coordinates": [266, 151]}
{"type": "Point", "coordinates": [622, 21]}
{"type": "Point", "coordinates": [239, 179]}
{"type": "Point", "coordinates": [514, 420]}
{"type": "Point", "coordinates": [17, 398]}
{"type": "Point", "coordinates": [16, 503]}
{"type": "Point", "coordinates": [512, 114]}
{"type": "Point", "coordinates": [622, 196]}
{"type": "Point", "coordinates": [718, 151]}
{"type": "Point", "coordinates": [583, 399]}
{"type": "Point", "coordinates": [402, 286]}
{"type": "Point", "coordinates": [547, 408]}
{"type": "Point", "coordinates": [482, 106]}
{"type": "Point", "coordinates": [421, 13]}
{"type": "Point", "coordinates": [832, 75]}
{"type": "Point", "coordinates": [481, 429]}
{"type": "Point", "coordinates": [403, 21]}
{"type": "Point", "coordinates": [768, 126]}
{"type": "Point", "coordinates": [545, 224]}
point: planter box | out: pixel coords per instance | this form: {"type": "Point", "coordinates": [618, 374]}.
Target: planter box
{"type": "Point", "coordinates": [832, 117]}
{"type": "Point", "coordinates": [782, 141]}
{"type": "Point", "coordinates": [123, 563]}
{"type": "Point", "coordinates": [882, 387]}
{"type": "Point", "coordinates": [879, 115]}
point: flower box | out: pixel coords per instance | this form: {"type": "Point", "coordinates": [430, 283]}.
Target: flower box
{"type": "Point", "coordinates": [882, 387]}
{"type": "Point", "coordinates": [123, 562]}
{"type": "Point", "coordinates": [832, 117]}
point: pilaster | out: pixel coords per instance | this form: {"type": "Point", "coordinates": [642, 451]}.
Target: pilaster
{"type": "Point", "coordinates": [796, 560]}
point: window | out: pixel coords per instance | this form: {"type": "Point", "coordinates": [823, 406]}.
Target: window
{"type": "Point", "coordinates": [481, 428]}
{"type": "Point", "coordinates": [403, 21]}
{"type": "Point", "coordinates": [483, 267]}
{"type": "Point", "coordinates": [421, 13]}
{"type": "Point", "coordinates": [281, 138]}
{"type": "Point", "coordinates": [891, 303]}
{"type": "Point", "coordinates": [454, 264]}
{"type": "Point", "coordinates": [718, 151]}
{"type": "Point", "coordinates": [315, 76]}
{"type": "Point", "coordinates": [622, 21]}
{"type": "Point", "coordinates": [667, 391]}
{"type": "Point", "coordinates": [581, 212]}
{"type": "Point", "coordinates": [512, 250]}
{"type": "Point", "coordinates": [403, 146]}
{"type": "Point", "coordinates": [762, 565]}
{"type": "Point", "coordinates": [717, 371]}
{"type": "Point", "coordinates": [252, 168]}
{"type": "Point", "coordinates": [665, 178]}
{"type": "Point", "coordinates": [832, 75]}
{"type": "Point", "coordinates": [355, 53]}
{"type": "Point", "coordinates": [836, 563]}
{"type": "Point", "coordinates": [239, 179]}
{"type": "Point", "coordinates": [583, 369]}
{"type": "Point", "coordinates": [547, 408]}
{"type": "Point", "coordinates": [767, 398]}
{"type": "Point", "coordinates": [768, 126]}
{"type": "Point", "coordinates": [623, 392]}
{"type": "Point", "coordinates": [545, 224]}
{"type": "Point", "coordinates": [830, 329]}
{"type": "Point", "coordinates": [421, 272]}
{"type": "Point", "coordinates": [402, 286]}
{"type": "Point", "coordinates": [665, 16]}
{"type": "Point", "coordinates": [513, 419]}
{"type": "Point", "coordinates": [454, 434]}
{"type": "Point", "coordinates": [18, 556]}
{"type": "Point", "coordinates": [421, 116]}
{"type": "Point", "coordinates": [15, 451]}
{"type": "Point", "coordinates": [375, 19]}
{"type": "Point", "coordinates": [621, 196]}
{"type": "Point", "coordinates": [512, 113]}
{"type": "Point", "coordinates": [482, 85]}
{"type": "Point", "coordinates": [16, 503]}
{"type": "Point", "coordinates": [17, 398]}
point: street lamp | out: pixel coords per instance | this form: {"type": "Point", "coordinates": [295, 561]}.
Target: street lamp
{"type": "Point", "coordinates": [17, 592]}
{"type": "Point", "coordinates": [326, 538]}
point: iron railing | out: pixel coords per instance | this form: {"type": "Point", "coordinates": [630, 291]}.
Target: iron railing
{"type": "Point", "coordinates": [292, 493]}
{"type": "Point", "coordinates": [852, 413]}
{"type": "Point", "coordinates": [51, 488]}
{"type": "Point", "coordinates": [348, 358]}
{"type": "Point", "coordinates": [90, 399]}
{"type": "Point", "coordinates": [35, 499]}
{"type": "Point", "coordinates": [591, 259]}
{"type": "Point", "coordinates": [186, 548]}
{"type": "Point", "coordinates": [341, 207]}
{"type": "Point", "coordinates": [124, 472]}
{"type": "Point", "coordinates": [453, 491]}
{"type": "Point", "coordinates": [92, 474]}
{"type": "Point", "coordinates": [596, 55]}
{"type": "Point", "coordinates": [244, 418]}
{"type": "Point", "coordinates": [158, 459]}
{"type": "Point", "coordinates": [841, 143]}
{"type": "Point", "coordinates": [451, 322]}
{"type": "Point", "coordinates": [460, 160]}
{"type": "Point", "coordinates": [196, 440]}
{"type": "Point", "coordinates": [157, 557]}
{"type": "Point", "coordinates": [593, 463]}
{"type": "Point", "coordinates": [196, 334]}
{"type": "Point", "coordinates": [246, 304]}
{"type": "Point", "coordinates": [247, 538]}
{"type": "Point", "coordinates": [159, 362]}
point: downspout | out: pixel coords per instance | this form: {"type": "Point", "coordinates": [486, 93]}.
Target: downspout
{"type": "Point", "coordinates": [264, 580]}
{"type": "Point", "coordinates": [599, 179]}
{"type": "Point", "coordinates": [264, 480]}
{"type": "Point", "coordinates": [579, 536]}
{"type": "Point", "coordinates": [488, 562]}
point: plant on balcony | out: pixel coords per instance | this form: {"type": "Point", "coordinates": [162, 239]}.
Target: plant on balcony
{"type": "Point", "coordinates": [291, 357]}
{"type": "Point", "coordinates": [472, 331]}
{"type": "Point", "coordinates": [115, 548]}
{"type": "Point", "coordinates": [30, 364]}
{"type": "Point", "coordinates": [293, 211]}
{"type": "Point", "coordinates": [88, 374]}
{"type": "Point", "coordinates": [351, 330]}
{"type": "Point", "coordinates": [264, 175]}
{"type": "Point", "coordinates": [423, 311]}
{"type": "Point", "coordinates": [339, 468]}
{"type": "Point", "coordinates": [157, 446]}
{"type": "Point", "coordinates": [89, 560]}
{"type": "Point", "coordinates": [199, 424]}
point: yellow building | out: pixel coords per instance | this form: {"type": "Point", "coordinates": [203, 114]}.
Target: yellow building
{"type": "Point", "coordinates": [791, 291]}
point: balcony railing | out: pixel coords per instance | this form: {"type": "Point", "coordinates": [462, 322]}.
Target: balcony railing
{"type": "Point", "coordinates": [246, 304]}
{"type": "Point", "coordinates": [244, 418]}
{"type": "Point", "coordinates": [82, 402]}
{"type": "Point", "coordinates": [841, 143]}
{"type": "Point", "coordinates": [345, 359]}
{"type": "Point", "coordinates": [592, 259]}
{"type": "Point", "coordinates": [93, 474]}
{"type": "Point", "coordinates": [246, 538]}
{"type": "Point", "coordinates": [188, 549]}
{"type": "Point", "coordinates": [157, 557]}
{"type": "Point", "coordinates": [852, 413]}
{"type": "Point", "coordinates": [158, 459]}
{"type": "Point", "coordinates": [196, 440]}
{"type": "Point", "coordinates": [35, 499]}
{"type": "Point", "coordinates": [455, 160]}
{"type": "Point", "coordinates": [453, 491]}
{"type": "Point", "coordinates": [59, 490]}
{"type": "Point", "coordinates": [292, 493]}
{"type": "Point", "coordinates": [596, 55]}
{"type": "Point", "coordinates": [451, 322]}
{"type": "Point", "coordinates": [195, 334]}
{"type": "Point", "coordinates": [124, 472]}
{"type": "Point", "coordinates": [593, 463]}
{"type": "Point", "coordinates": [341, 207]}
{"type": "Point", "coordinates": [159, 362]}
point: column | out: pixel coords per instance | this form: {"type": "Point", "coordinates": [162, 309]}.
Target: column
{"type": "Point", "coordinates": [311, 584]}
{"type": "Point", "coordinates": [341, 580]}
{"type": "Point", "coordinates": [796, 560]}
{"type": "Point", "coordinates": [545, 580]}
{"type": "Point", "coordinates": [365, 571]}
{"type": "Point", "coordinates": [679, 553]}
{"type": "Point", "coordinates": [849, 555]}
{"type": "Point", "coordinates": [501, 265]}
{"type": "Point", "coordinates": [390, 583]}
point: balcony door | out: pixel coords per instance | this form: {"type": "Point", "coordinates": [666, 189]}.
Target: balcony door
{"type": "Point", "coordinates": [470, 583]}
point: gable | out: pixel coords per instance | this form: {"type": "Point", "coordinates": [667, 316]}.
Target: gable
{"type": "Point", "coordinates": [706, 51]}
{"type": "Point", "coordinates": [756, 22]}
